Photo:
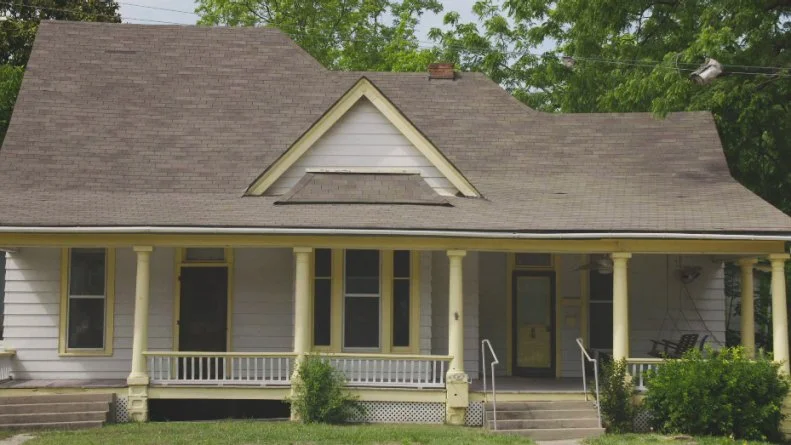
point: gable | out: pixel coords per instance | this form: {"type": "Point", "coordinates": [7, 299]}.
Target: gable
{"type": "Point", "coordinates": [364, 141]}
{"type": "Point", "coordinates": [363, 133]}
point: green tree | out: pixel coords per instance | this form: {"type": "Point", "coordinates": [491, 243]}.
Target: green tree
{"type": "Point", "coordinates": [18, 28]}
{"type": "Point", "coordinates": [637, 56]}
{"type": "Point", "coordinates": [376, 35]}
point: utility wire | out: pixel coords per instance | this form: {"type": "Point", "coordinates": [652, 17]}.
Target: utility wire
{"type": "Point", "coordinates": [422, 44]}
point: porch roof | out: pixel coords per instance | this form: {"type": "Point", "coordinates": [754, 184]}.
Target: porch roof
{"type": "Point", "coordinates": [134, 125]}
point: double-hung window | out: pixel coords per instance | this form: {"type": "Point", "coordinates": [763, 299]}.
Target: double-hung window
{"type": "Point", "coordinates": [362, 295]}
{"type": "Point", "coordinates": [88, 302]}
{"type": "Point", "coordinates": [601, 289]}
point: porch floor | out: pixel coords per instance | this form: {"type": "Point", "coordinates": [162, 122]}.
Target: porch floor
{"type": "Point", "coordinates": [37, 383]}
{"type": "Point", "coordinates": [523, 385]}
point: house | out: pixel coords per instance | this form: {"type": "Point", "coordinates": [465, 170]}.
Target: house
{"type": "Point", "coordinates": [189, 211]}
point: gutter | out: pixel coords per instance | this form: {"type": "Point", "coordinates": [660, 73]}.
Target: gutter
{"type": "Point", "coordinates": [388, 232]}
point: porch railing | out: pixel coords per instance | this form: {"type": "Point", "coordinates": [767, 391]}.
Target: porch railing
{"type": "Point", "coordinates": [220, 368]}
{"type": "Point", "coordinates": [638, 367]}
{"type": "Point", "coordinates": [6, 356]}
{"type": "Point", "coordinates": [390, 370]}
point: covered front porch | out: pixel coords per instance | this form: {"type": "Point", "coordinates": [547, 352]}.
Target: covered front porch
{"type": "Point", "coordinates": [233, 317]}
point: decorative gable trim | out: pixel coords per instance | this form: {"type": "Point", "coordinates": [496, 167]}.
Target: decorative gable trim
{"type": "Point", "coordinates": [363, 88]}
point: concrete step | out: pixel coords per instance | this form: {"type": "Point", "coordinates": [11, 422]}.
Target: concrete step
{"type": "Point", "coordinates": [53, 425]}
{"type": "Point", "coordinates": [547, 405]}
{"type": "Point", "coordinates": [85, 416]}
{"type": "Point", "coordinates": [529, 424]}
{"type": "Point", "coordinates": [555, 433]}
{"type": "Point", "coordinates": [543, 414]}
{"type": "Point", "coordinates": [55, 398]}
{"type": "Point", "coordinates": [23, 408]}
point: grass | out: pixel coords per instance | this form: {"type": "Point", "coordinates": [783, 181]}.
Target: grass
{"type": "Point", "coordinates": [638, 439]}
{"type": "Point", "coordinates": [256, 432]}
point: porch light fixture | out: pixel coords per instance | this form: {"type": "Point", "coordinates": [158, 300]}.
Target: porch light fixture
{"type": "Point", "coordinates": [707, 72]}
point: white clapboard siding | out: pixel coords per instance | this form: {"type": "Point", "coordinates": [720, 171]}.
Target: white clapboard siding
{"type": "Point", "coordinates": [263, 300]}
{"type": "Point", "coordinates": [439, 311]}
{"type": "Point", "coordinates": [493, 305]}
{"type": "Point", "coordinates": [363, 139]}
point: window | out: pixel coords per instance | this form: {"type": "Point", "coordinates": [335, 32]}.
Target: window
{"type": "Point", "coordinates": [600, 310]}
{"type": "Point", "coordinates": [401, 297]}
{"type": "Point", "coordinates": [88, 304]}
{"type": "Point", "coordinates": [362, 292]}
{"type": "Point", "coordinates": [204, 255]}
{"type": "Point", "coordinates": [533, 259]}
{"type": "Point", "coordinates": [322, 297]}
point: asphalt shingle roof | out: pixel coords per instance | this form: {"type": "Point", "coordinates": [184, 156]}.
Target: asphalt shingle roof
{"type": "Point", "coordinates": [362, 188]}
{"type": "Point", "coordinates": [128, 125]}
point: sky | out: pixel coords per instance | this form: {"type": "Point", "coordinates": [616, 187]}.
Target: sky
{"type": "Point", "coordinates": [182, 12]}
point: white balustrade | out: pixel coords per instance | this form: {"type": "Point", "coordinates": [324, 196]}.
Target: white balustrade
{"type": "Point", "coordinates": [394, 371]}
{"type": "Point", "coordinates": [6, 357]}
{"type": "Point", "coordinates": [638, 368]}
{"type": "Point", "coordinates": [220, 368]}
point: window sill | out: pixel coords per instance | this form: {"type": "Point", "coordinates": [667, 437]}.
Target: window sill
{"type": "Point", "coordinates": [86, 354]}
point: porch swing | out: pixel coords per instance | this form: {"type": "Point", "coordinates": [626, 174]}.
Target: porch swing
{"type": "Point", "coordinates": [665, 348]}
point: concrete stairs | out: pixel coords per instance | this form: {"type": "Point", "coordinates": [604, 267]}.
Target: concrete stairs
{"type": "Point", "coordinates": [550, 420]}
{"type": "Point", "coordinates": [55, 412]}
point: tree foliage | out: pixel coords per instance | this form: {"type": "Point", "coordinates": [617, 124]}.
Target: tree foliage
{"type": "Point", "coordinates": [637, 56]}
{"type": "Point", "coordinates": [18, 30]}
{"type": "Point", "coordinates": [377, 35]}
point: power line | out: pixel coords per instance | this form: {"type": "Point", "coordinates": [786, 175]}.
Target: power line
{"type": "Point", "coordinates": [159, 9]}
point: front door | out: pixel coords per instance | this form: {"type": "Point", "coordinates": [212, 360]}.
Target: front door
{"type": "Point", "coordinates": [203, 317]}
{"type": "Point", "coordinates": [533, 323]}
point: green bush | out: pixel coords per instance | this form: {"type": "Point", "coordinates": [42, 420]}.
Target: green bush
{"type": "Point", "coordinates": [320, 395]}
{"type": "Point", "coordinates": [725, 394]}
{"type": "Point", "coordinates": [615, 398]}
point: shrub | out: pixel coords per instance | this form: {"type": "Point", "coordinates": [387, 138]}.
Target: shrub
{"type": "Point", "coordinates": [320, 395]}
{"type": "Point", "coordinates": [615, 400]}
{"type": "Point", "coordinates": [726, 394]}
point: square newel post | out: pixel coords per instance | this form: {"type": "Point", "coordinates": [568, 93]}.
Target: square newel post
{"type": "Point", "coordinates": [456, 380]}
{"type": "Point", "coordinates": [747, 321]}
{"type": "Point", "coordinates": [620, 306]}
{"type": "Point", "coordinates": [779, 310]}
{"type": "Point", "coordinates": [138, 378]}
{"type": "Point", "coordinates": [302, 318]}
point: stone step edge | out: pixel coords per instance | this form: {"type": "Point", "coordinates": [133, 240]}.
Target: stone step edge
{"type": "Point", "coordinates": [2, 416]}
{"type": "Point", "coordinates": [533, 430]}
{"type": "Point", "coordinates": [76, 422]}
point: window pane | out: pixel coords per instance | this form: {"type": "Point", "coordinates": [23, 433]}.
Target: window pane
{"type": "Point", "coordinates": [534, 259]}
{"type": "Point", "coordinates": [323, 266]}
{"type": "Point", "coordinates": [87, 272]}
{"type": "Point", "coordinates": [601, 325]}
{"type": "Point", "coordinates": [600, 286]}
{"type": "Point", "coordinates": [366, 286]}
{"type": "Point", "coordinates": [205, 254]}
{"type": "Point", "coordinates": [401, 313]}
{"type": "Point", "coordinates": [401, 264]}
{"type": "Point", "coordinates": [361, 322]}
{"type": "Point", "coordinates": [86, 323]}
{"type": "Point", "coordinates": [321, 312]}
{"type": "Point", "coordinates": [362, 263]}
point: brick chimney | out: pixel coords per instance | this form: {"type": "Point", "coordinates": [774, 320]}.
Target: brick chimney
{"type": "Point", "coordinates": [443, 70]}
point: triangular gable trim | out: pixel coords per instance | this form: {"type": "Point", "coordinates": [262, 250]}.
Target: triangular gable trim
{"type": "Point", "coordinates": [363, 88]}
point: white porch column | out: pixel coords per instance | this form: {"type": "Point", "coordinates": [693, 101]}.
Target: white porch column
{"type": "Point", "coordinates": [748, 306]}
{"type": "Point", "coordinates": [620, 306]}
{"type": "Point", "coordinates": [456, 384]}
{"type": "Point", "coordinates": [138, 378]}
{"type": "Point", "coordinates": [779, 311]}
{"type": "Point", "coordinates": [302, 301]}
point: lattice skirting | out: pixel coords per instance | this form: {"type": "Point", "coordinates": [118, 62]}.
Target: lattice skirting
{"type": "Point", "coordinates": [642, 421]}
{"type": "Point", "coordinates": [474, 415]}
{"type": "Point", "coordinates": [402, 412]}
{"type": "Point", "coordinates": [121, 409]}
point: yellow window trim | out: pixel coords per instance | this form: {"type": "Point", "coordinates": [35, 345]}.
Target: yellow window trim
{"type": "Point", "coordinates": [386, 302]}
{"type": "Point", "coordinates": [363, 88]}
{"type": "Point", "coordinates": [109, 308]}
{"type": "Point", "coordinates": [180, 262]}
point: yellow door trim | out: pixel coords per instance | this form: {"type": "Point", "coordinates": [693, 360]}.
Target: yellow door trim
{"type": "Point", "coordinates": [363, 88]}
{"type": "Point", "coordinates": [180, 262]}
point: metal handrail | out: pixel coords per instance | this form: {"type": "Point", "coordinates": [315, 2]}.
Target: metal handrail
{"type": "Point", "coordinates": [583, 356]}
{"type": "Point", "coordinates": [485, 342]}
